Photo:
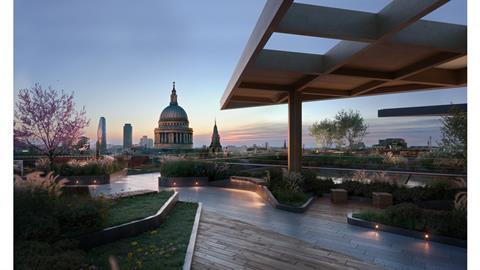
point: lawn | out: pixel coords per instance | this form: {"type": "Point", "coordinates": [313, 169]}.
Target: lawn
{"type": "Point", "coordinates": [132, 208]}
{"type": "Point", "coordinates": [162, 248]}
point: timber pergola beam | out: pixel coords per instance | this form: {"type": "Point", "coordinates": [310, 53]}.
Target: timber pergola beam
{"type": "Point", "coordinates": [392, 51]}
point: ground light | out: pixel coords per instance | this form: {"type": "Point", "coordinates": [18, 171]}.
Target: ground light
{"type": "Point", "coordinates": [426, 236]}
{"type": "Point", "coordinates": [376, 226]}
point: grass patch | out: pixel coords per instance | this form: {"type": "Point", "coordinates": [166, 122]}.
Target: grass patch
{"type": "Point", "coordinates": [127, 209]}
{"type": "Point", "coordinates": [162, 248]}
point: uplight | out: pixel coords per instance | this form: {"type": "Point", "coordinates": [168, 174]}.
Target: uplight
{"type": "Point", "coordinates": [376, 226]}
{"type": "Point", "coordinates": [426, 236]}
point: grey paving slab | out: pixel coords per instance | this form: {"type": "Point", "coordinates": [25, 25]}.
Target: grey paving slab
{"type": "Point", "coordinates": [384, 249]}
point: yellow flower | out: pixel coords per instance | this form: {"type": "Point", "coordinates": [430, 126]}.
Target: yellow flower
{"type": "Point", "coordinates": [134, 243]}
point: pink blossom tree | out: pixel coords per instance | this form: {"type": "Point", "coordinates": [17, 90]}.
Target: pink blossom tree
{"type": "Point", "coordinates": [47, 120]}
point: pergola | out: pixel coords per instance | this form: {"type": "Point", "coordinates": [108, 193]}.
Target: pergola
{"type": "Point", "coordinates": [392, 51]}
{"type": "Point", "coordinates": [435, 110]}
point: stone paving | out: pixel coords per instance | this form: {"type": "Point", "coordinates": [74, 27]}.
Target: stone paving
{"type": "Point", "coordinates": [322, 230]}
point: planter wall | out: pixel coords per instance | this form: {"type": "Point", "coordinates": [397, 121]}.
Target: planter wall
{"type": "Point", "coordinates": [129, 229]}
{"type": "Point", "coordinates": [415, 234]}
{"type": "Point", "coordinates": [182, 181]}
{"type": "Point", "coordinates": [94, 179]}
{"type": "Point", "coordinates": [259, 186]}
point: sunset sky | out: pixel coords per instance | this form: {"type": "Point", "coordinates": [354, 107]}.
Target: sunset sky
{"type": "Point", "coordinates": [120, 58]}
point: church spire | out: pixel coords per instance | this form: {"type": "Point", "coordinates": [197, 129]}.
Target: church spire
{"type": "Point", "coordinates": [173, 96]}
{"type": "Point", "coordinates": [215, 145]}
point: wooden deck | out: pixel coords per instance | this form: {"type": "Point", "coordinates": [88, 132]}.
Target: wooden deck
{"type": "Point", "coordinates": [224, 243]}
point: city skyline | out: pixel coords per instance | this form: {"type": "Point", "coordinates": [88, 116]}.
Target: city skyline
{"type": "Point", "coordinates": [123, 69]}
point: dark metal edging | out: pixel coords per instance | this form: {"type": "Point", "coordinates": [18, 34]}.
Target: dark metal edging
{"type": "Point", "coordinates": [187, 263]}
{"type": "Point", "coordinates": [129, 229]}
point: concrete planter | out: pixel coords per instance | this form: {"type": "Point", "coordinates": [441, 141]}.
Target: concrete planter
{"type": "Point", "coordinates": [415, 234]}
{"type": "Point", "coordinates": [259, 186]}
{"type": "Point", "coordinates": [182, 181]}
{"type": "Point", "coordinates": [93, 179]}
{"type": "Point", "coordinates": [129, 229]}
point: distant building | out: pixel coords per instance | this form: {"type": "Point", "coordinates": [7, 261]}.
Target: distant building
{"type": "Point", "coordinates": [391, 143]}
{"type": "Point", "coordinates": [173, 131]}
{"type": "Point", "coordinates": [146, 142]}
{"type": "Point", "coordinates": [215, 146]}
{"type": "Point", "coordinates": [102, 136]}
{"type": "Point", "coordinates": [236, 150]}
{"type": "Point", "coordinates": [127, 136]}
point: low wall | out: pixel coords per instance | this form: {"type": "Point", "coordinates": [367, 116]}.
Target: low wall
{"type": "Point", "coordinates": [182, 181]}
{"type": "Point", "coordinates": [129, 229]}
{"type": "Point", "coordinates": [93, 179]}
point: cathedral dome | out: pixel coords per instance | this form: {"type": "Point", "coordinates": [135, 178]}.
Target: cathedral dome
{"type": "Point", "coordinates": [173, 113]}
{"type": "Point", "coordinates": [173, 131]}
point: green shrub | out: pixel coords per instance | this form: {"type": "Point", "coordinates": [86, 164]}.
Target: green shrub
{"type": "Point", "coordinates": [452, 223]}
{"type": "Point", "coordinates": [64, 254]}
{"type": "Point", "coordinates": [318, 186]}
{"type": "Point", "coordinates": [356, 188]}
{"type": "Point", "coordinates": [86, 167]}
{"type": "Point", "coordinates": [190, 168]}
{"type": "Point", "coordinates": [290, 198]}
{"type": "Point", "coordinates": [400, 193]}
{"type": "Point", "coordinates": [43, 219]}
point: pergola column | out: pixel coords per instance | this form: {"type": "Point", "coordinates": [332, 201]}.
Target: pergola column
{"type": "Point", "coordinates": [294, 131]}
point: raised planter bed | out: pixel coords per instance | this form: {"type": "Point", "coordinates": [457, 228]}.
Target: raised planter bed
{"type": "Point", "coordinates": [415, 234]}
{"type": "Point", "coordinates": [182, 181]}
{"type": "Point", "coordinates": [258, 186]}
{"type": "Point", "coordinates": [82, 180]}
{"type": "Point", "coordinates": [129, 229]}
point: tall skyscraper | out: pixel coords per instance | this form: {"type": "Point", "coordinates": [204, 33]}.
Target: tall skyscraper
{"type": "Point", "coordinates": [127, 136]}
{"type": "Point", "coordinates": [102, 136]}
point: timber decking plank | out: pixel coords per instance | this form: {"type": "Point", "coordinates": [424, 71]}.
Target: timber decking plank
{"type": "Point", "coordinates": [227, 243]}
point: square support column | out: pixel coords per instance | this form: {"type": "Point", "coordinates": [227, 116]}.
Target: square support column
{"type": "Point", "coordinates": [294, 131]}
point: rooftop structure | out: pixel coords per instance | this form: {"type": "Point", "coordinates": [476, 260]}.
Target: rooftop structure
{"type": "Point", "coordinates": [436, 110]}
{"type": "Point", "coordinates": [392, 51]}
